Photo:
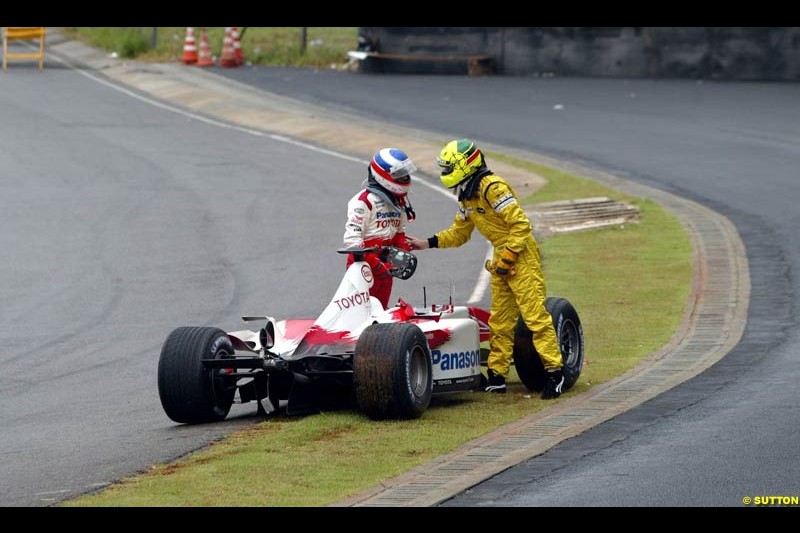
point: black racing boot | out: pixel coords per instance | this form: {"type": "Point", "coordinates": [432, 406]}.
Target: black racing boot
{"type": "Point", "coordinates": [553, 381]}
{"type": "Point", "coordinates": [495, 383]}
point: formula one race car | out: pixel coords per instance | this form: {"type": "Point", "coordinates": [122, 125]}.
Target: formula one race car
{"type": "Point", "coordinates": [388, 362]}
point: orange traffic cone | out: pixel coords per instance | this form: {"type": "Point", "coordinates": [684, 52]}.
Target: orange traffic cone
{"type": "Point", "coordinates": [228, 56]}
{"type": "Point", "coordinates": [204, 59]}
{"type": "Point", "coordinates": [237, 47]}
{"type": "Point", "coordinates": [189, 48]}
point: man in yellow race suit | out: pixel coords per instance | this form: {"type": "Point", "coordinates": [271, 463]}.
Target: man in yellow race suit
{"type": "Point", "coordinates": [487, 202]}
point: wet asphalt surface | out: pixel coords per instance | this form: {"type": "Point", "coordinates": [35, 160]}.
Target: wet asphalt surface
{"type": "Point", "coordinates": [127, 223]}
{"type": "Point", "coordinates": [731, 146]}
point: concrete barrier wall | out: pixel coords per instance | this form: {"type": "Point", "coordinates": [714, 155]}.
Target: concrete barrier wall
{"type": "Point", "coordinates": [750, 53]}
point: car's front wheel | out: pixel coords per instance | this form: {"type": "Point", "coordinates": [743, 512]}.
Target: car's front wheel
{"type": "Point", "coordinates": [189, 392]}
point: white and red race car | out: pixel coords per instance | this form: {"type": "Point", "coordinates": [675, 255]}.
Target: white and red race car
{"type": "Point", "coordinates": [388, 362]}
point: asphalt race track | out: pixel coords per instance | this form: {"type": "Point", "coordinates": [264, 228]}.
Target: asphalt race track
{"type": "Point", "coordinates": [728, 434]}
{"type": "Point", "coordinates": [120, 221]}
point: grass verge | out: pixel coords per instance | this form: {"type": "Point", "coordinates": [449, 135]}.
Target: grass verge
{"type": "Point", "coordinates": [324, 47]}
{"type": "Point", "coordinates": [320, 459]}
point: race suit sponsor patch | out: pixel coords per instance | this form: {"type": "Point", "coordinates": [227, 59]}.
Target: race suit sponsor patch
{"type": "Point", "coordinates": [504, 202]}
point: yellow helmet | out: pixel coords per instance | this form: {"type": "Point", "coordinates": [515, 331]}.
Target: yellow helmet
{"type": "Point", "coordinates": [458, 160]}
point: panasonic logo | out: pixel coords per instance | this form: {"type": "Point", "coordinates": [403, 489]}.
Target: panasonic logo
{"type": "Point", "coordinates": [450, 361]}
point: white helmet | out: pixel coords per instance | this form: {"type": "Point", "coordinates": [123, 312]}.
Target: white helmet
{"type": "Point", "coordinates": [392, 170]}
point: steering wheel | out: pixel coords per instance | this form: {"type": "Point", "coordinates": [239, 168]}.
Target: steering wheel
{"type": "Point", "coordinates": [405, 263]}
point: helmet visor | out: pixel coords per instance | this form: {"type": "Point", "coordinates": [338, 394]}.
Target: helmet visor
{"type": "Point", "coordinates": [445, 167]}
{"type": "Point", "coordinates": [402, 172]}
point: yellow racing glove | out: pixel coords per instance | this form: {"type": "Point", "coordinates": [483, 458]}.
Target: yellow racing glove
{"type": "Point", "coordinates": [505, 267]}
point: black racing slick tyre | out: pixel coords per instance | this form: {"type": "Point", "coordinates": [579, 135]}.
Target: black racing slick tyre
{"type": "Point", "coordinates": [190, 393]}
{"type": "Point", "coordinates": [569, 333]}
{"type": "Point", "coordinates": [392, 371]}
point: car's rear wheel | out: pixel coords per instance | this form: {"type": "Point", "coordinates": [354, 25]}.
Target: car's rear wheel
{"type": "Point", "coordinates": [190, 393]}
{"type": "Point", "coordinates": [569, 333]}
{"type": "Point", "coordinates": [392, 372]}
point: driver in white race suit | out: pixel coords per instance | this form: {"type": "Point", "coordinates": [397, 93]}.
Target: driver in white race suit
{"type": "Point", "coordinates": [378, 213]}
